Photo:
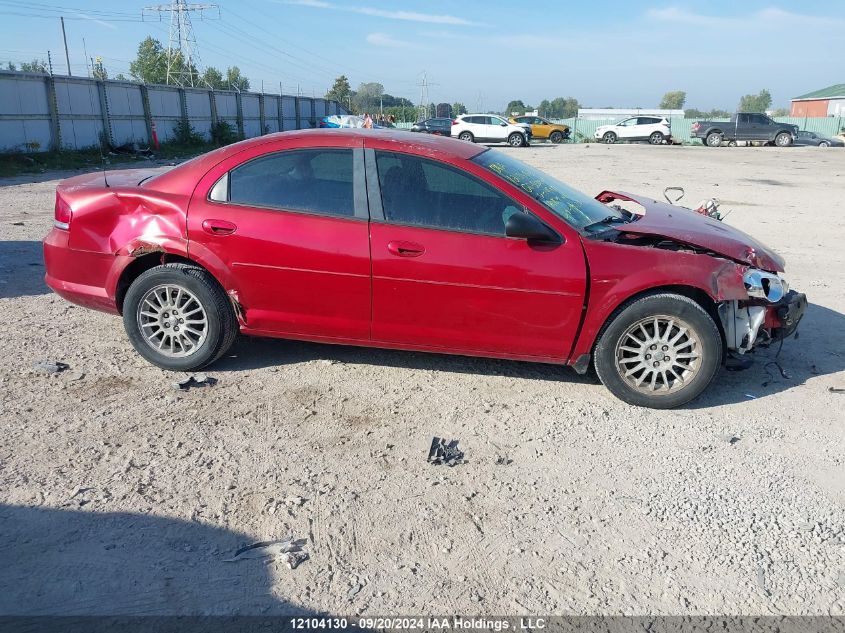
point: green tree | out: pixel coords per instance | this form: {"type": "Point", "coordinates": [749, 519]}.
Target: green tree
{"type": "Point", "coordinates": [368, 98]}
{"type": "Point", "coordinates": [213, 78]}
{"type": "Point", "coordinates": [458, 109]}
{"type": "Point", "coordinates": [781, 112]}
{"type": "Point", "coordinates": [760, 102]}
{"type": "Point", "coordinates": [562, 108]}
{"type": "Point", "coordinates": [35, 66]}
{"type": "Point", "coordinates": [515, 107]}
{"type": "Point", "coordinates": [341, 91]}
{"type": "Point", "coordinates": [673, 100]}
{"type": "Point", "coordinates": [10, 66]}
{"type": "Point", "coordinates": [544, 107]}
{"type": "Point", "coordinates": [150, 65]}
{"type": "Point", "coordinates": [120, 77]}
{"type": "Point", "coordinates": [235, 80]}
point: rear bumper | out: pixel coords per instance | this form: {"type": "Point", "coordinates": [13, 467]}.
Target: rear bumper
{"type": "Point", "coordinates": [81, 277]}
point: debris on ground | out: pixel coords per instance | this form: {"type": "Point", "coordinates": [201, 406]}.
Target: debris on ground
{"type": "Point", "coordinates": [731, 439]}
{"type": "Point", "coordinates": [289, 550]}
{"type": "Point", "coordinates": [50, 366]}
{"type": "Point", "coordinates": [132, 149]}
{"type": "Point", "coordinates": [503, 460]}
{"type": "Point", "coordinates": [836, 389]}
{"type": "Point", "coordinates": [198, 380]}
{"type": "Point", "coordinates": [445, 452]}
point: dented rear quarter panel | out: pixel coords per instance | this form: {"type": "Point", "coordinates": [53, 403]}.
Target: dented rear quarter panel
{"type": "Point", "coordinates": [619, 272]}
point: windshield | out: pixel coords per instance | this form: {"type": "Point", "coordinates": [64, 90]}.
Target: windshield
{"type": "Point", "coordinates": [570, 205]}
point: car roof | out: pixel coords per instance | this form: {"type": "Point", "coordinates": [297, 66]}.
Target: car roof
{"type": "Point", "coordinates": [385, 138]}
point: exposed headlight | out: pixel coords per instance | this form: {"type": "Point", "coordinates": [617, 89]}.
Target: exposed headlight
{"type": "Point", "coordinates": [762, 285]}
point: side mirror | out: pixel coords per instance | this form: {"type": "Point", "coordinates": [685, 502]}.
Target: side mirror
{"type": "Point", "coordinates": [526, 226]}
{"type": "Point", "coordinates": [503, 124]}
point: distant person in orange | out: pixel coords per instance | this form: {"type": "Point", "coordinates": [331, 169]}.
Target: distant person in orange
{"type": "Point", "coordinates": [368, 121]}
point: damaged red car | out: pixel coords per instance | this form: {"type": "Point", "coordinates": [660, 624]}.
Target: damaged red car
{"type": "Point", "coordinates": [406, 241]}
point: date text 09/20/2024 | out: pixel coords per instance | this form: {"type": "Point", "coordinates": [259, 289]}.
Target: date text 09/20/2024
{"type": "Point", "coordinates": [420, 623]}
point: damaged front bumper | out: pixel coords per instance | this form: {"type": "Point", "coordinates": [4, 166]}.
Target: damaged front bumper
{"type": "Point", "coordinates": [755, 323]}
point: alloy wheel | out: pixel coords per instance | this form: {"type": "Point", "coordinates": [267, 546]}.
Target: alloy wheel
{"type": "Point", "coordinates": [172, 321]}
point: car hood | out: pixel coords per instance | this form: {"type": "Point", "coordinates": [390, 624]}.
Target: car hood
{"type": "Point", "coordinates": [686, 226]}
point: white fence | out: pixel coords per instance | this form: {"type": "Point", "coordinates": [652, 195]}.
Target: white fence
{"type": "Point", "coordinates": [40, 112]}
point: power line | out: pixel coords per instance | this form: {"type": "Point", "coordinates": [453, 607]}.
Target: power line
{"type": "Point", "coordinates": [183, 58]}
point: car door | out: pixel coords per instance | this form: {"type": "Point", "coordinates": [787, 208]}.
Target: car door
{"type": "Point", "coordinates": [744, 127]}
{"type": "Point", "coordinates": [540, 128]}
{"type": "Point", "coordinates": [497, 129]}
{"type": "Point", "coordinates": [446, 277]}
{"type": "Point", "coordinates": [627, 128]}
{"type": "Point", "coordinates": [289, 228]}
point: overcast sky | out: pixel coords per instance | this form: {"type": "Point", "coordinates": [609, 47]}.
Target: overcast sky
{"type": "Point", "coordinates": [483, 53]}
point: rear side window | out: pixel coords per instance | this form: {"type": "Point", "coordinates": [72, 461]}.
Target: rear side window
{"type": "Point", "coordinates": [428, 193]}
{"type": "Point", "coordinates": [312, 180]}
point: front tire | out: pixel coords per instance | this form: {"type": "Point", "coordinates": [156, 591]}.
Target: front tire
{"type": "Point", "coordinates": [516, 140]}
{"type": "Point", "coordinates": [824, 144]}
{"type": "Point", "coordinates": [466, 136]}
{"type": "Point", "coordinates": [783, 139]}
{"type": "Point", "coordinates": [178, 317]}
{"type": "Point", "coordinates": [656, 138]}
{"type": "Point", "coordinates": [556, 137]}
{"type": "Point", "coordinates": [609, 138]}
{"type": "Point", "coordinates": [714, 139]}
{"type": "Point", "coordinates": [658, 351]}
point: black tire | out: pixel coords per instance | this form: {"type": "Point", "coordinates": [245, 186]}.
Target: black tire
{"type": "Point", "coordinates": [656, 138]}
{"type": "Point", "coordinates": [714, 139]}
{"type": "Point", "coordinates": [783, 139]}
{"type": "Point", "coordinates": [222, 324]}
{"type": "Point", "coordinates": [824, 144]}
{"type": "Point", "coordinates": [732, 144]}
{"type": "Point", "coordinates": [515, 139]}
{"type": "Point", "coordinates": [466, 136]}
{"type": "Point", "coordinates": [609, 138]}
{"type": "Point", "coordinates": [556, 137]}
{"type": "Point", "coordinates": [700, 328]}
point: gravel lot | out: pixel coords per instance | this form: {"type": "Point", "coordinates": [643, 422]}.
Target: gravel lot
{"type": "Point", "coordinates": [120, 495]}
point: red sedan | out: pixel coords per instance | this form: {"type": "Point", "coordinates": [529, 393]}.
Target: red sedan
{"type": "Point", "coordinates": [410, 241]}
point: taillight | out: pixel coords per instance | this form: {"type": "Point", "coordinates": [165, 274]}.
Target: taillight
{"type": "Point", "coordinates": [63, 214]}
{"type": "Point", "coordinates": [454, 121]}
{"type": "Point", "coordinates": [695, 125]}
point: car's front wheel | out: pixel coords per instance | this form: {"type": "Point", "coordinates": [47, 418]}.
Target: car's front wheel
{"type": "Point", "coordinates": [609, 137]}
{"type": "Point", "coordinates": [659, 351]}
{"type": "Point", "coordinates": [466, 136]}
{"type": "Point", "coordinates": [656, 138]}
{"type": "Point", "coordinates": [178, 317]}
{"type": "Point", "coordinates": [824, 144]}
{"type": "Point", "coordinates": [516, 139]}
{"type": "Point", "coordinates": [783, 139]}
{"type": "Point", "coordinates": [556, 137]}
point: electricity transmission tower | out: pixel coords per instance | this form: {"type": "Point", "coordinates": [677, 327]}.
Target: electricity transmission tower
{"type": "Point", "coordinates": [183, 58]}
{"type": "Point", "coordinates": [422, 109]}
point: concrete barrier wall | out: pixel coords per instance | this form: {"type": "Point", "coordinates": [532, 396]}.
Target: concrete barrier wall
{"type": "Point", "coordinates": [40, 112]}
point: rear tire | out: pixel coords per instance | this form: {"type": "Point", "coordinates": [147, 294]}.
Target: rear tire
{"type": "Point", "coordinates": [466, 136]}
{"type": "Point", "coordinates": [184, 302]}
{"type": "Point", "coordinates": [609, 138]}
{"type": "Point", "coordinates": [731, 143]}
{"type": "Point", "coordinates": [783, 139]}
{"type": "Point", "coordinates": [656, 138]}
{"type": "Point", "coordinates": [824, 144]}
{"type": "Point", "coordinates": [632, 349]}
{"type": "Point", "coordinates": [556, 137]}
{"type": "Point", "coordinates": [714, 139]}
{"type": "Point", "coordinates": [516, 140]}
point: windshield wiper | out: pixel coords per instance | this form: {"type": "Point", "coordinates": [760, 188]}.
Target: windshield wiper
{"type": "Point", "coordinates": [607, 220]}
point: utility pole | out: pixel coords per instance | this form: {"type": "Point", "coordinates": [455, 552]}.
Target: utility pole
{"type": "Point", "coordinates": [64, 37]}
{"type": "Point", "coordinates": [85, 51]}
{"type": "Point", "coordinates": [422, 110]}
{"type": "Point", "coordinates": [183, 58]}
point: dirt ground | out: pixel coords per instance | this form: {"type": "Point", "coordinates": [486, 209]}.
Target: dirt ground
{"type": "Point", "coordinates": [119, 495]}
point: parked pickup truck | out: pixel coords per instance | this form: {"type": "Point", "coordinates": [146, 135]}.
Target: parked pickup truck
{"type": "Point", "coordinates": [744, 126]}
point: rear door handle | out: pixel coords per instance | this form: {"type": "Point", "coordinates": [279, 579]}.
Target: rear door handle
{"type": "Point", "coordinates": [401, 248]}
{"type": "Point", "coordinates": [218, 227]}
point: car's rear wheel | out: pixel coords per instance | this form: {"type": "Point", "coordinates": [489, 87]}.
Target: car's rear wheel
{"type": "Point", "coordinates": [732, 144]}
{"type": "Point", "coordinates": [178, 317]}
{"type": "Point", "coordinates": [656, 138]}
{"type": "Point", "coordinates": [466, 136]}
{"type": "Point", "coordinates": [516, 139]}
{"type": "Point", "coordinates": [609, 138]}
{"type": "Point", "coordinates": [783, 139]}
{"type": "Point", "coordinates": [556, 137]}
{"type": "Point", "coordinates": [824, 144]}
{"type": "Point", "coordinates": [714, 139]}
{"type": "Point", "coordinates": [659, 351]}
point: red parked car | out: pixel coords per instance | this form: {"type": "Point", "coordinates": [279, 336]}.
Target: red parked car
{"type": "Point", "coordinates": [411, 241]}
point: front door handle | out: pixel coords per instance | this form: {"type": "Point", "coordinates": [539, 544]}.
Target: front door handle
{"type": "Point", "coordinates": [401, 248]}
{"type": "Point", "coordinates": [219, 227]}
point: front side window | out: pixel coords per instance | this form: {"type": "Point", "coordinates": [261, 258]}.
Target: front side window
{"type": "Point", "coordinates": [310, 180]}
{"type": "Point", "coordinates": [422, 192]}
{"type": "Point", "coordinates": [494, 120]}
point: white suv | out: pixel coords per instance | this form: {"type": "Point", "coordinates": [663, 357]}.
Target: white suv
{"type": "Point", "coordinates": [489, 128]}
{"type": "Point", "coordinates": [653, 129]}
